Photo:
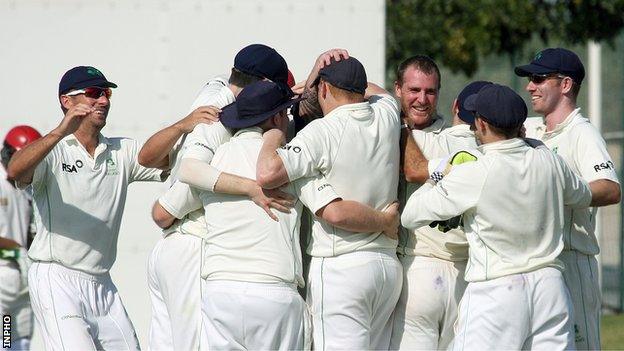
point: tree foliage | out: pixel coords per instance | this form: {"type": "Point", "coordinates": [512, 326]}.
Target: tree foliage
{"type": "Point", "coordinates": [457, 32]}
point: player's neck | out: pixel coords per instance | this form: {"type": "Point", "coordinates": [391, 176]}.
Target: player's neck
{"type": "Point", "coordinates": [235, 89]}
{"type": "Point", "coordinates": [88, 137]}
{"type": "Point", "coordinates": [558, 115]}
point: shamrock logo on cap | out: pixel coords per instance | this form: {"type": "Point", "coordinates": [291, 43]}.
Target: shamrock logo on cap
{"type": "Point", "coordinates": [94, 72]}
{"type": "Point", "coordinates": [538, 56]}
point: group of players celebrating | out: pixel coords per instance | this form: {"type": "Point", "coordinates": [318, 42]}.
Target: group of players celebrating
{"type": "Point", "coordinates": [422, 235]}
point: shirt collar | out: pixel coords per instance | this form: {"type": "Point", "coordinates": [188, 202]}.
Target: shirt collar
{"type": "Point", "coordinates": [568, 121]}
{"type": "Point", "coordinates": [437, 126]}
{"type": "Point", "coordinates": [459, 130]}
{"type": "Point", "coordinates": [503, 146]}
{"type": "Point", "coordinates": [103, 143]}
{"type": "Point", "coordinates": [249, 133]}
{"type": "Point", "coordinates": [359, 110]}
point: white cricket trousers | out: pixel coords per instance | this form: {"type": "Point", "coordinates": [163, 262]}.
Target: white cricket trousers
{"type": "Point", "coordinates": [352, 297]}
{"type": "Point", "coordinates": [427, 309]}
{"type": "Point", "coordinates": [79, 311]}
{"type": "Point", "coordinates": [520, 311]}
{"type": "Point", "coordinates": [174, 283]}
{"type": "Point", "coordinates": [253, 316]}
{"type": "Point", "coordinates": [15, 302]}
{"type": "Point", "coordinates": [581, 277]}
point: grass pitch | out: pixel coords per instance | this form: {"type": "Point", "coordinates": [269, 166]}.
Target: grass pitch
{"type": "Point", "coordinates": [612, 330]}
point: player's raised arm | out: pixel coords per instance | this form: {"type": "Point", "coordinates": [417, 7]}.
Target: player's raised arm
{"type": "Point", "coordinates": [414, 162]}
{"type": "Point", "coordinates": [155, 152]}
{"type": "Point", "coordinates": [25, 161]}
{"type": "Point", "coordinates": [270, 172]}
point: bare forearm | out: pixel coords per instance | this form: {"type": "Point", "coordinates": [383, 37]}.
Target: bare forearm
{"type": "Point", "coordinates": [605, 192]}
{"type": "Point", "coordinates": [155, 151]}
{"type": "Point", "coordinates": [415, 164]}
{"type": "Point", "coordinates": [202, 175]}
{"type": "Point", "coordinates": [234, 185]}
{"type": "Point", "coordinates": [162, 217]}
{"type": "Point", "coordinates": [22, 166]}
{"type": "Point", "coordinates": [6, 243]}
{"type": "Point", "coordinates": [353, 216]}
{"type": "Point", "coordinates": [270, 170]}
{"type": "Point", "coordinates": [374, 89]}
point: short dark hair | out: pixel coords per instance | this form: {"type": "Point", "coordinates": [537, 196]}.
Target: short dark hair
{"type": "Point", "coordinates": [241, 79]}
{"type": "Point", "coordinates": [508, 133]}
{"type": "Point", "coordinates": [422, 63]}
{"type": "Point", "coordinates": [576, 88]}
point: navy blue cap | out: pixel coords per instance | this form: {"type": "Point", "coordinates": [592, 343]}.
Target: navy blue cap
{"type": "Point", "coordinates": [498, 105]}
{"type": "Point", "coordinates": [554, 60]}
{"type": "Point", "coordinates": [347, 74]}
{"type": "Point", "coordinates": [83, 77]}
{"type": "Point", "coordinates": [468, 90]}
{"type": "Point", "coordinates": [262, 61]}
{"type": "Point", "coordinates": [256, 103]}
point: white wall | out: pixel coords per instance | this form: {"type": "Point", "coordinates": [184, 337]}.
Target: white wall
{"type": "Point", "coordinates": [160, 53]}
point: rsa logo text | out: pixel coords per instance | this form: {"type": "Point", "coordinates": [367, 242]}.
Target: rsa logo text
{"type": "Point", "coordinates": [69, 168]}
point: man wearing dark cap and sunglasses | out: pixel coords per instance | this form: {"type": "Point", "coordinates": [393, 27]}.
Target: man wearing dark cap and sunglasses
{"type": "Point", "coordinates": [79, 180]}
{"type": "Point", "coordinates": [555, 76]}
{"type": "Point", "coordinates": [355, 278]}
{"type": "Point", "coordinates": [516, 296]}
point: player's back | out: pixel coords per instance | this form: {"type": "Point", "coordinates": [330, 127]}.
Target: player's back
{"type": "Point", "coordinates": [361, 161]}
{"type": "Point", "coordinates": [242, 242]}
{"type": "Point", "coordinates": [517, 223]}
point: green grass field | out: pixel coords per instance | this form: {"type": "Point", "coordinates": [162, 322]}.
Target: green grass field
{"type": "Point", "coordinates": [613, 332]}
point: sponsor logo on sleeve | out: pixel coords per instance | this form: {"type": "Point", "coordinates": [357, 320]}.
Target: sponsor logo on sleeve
{"type": "Point", "coordinates": [322, 187]}
{"type": "Point", "coordinates": [197, 143]}
{"type": "Point", "coordinates": [295, 149]}
{"type": "Point", "coordinates": [605, 165]}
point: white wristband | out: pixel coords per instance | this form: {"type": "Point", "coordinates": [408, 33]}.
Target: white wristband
{"type": "Point", "coordinates": [198, 174]}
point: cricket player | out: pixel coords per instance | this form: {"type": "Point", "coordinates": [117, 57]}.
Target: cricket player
{"type": "Point", "coordinates": [433, 262]}
{"type": "Point", "coordinates": [355, 279]}
{"type": "Point", "coordinates": [79, 179]}
{"type": "Point", "coordinates": [234, 224]}
{"type": "Point", "coordinates": [174, 264]}
{"type": "Point", "coordinates": [555, 76]}
{"type": "Point", "coordinates": [15, 236]}
{"type": "Point", "coordinates": [516, 297]}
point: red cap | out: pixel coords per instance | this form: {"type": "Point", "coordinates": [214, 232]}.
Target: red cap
{"type": "Point", "coordinates": [291, 79]}
{"type": "Point", "coordinates": [20, 136]}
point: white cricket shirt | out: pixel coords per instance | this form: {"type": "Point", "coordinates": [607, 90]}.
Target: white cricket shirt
{"type": "Point", "coordinates": [15, 211]}
{"type": "Point", "coordinates": [436, 142]}
{"type": "Point", "coordinates": [200, 144]}
{"type": "Point", "coordinates": [580, 144]}
{"type": "Point", "coordinates": [243, 243]}
{"type": "Point", "coordinates": [79, 201]}
{"type": "Point", "coordinates": [512, 199]}
{"type": "Point", "coordinates": [356, 148]}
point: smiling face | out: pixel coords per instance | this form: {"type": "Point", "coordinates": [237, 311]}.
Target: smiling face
{"type": "Point", "coordinates": [101, 105]}
{"type": "Point", "coordinates": [418, 95]}
{"type": "Point", "coordinates": [546, 95]}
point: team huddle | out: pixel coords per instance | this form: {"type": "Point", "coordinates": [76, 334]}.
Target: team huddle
{"type": "Point", "coordinates": [418, 233]}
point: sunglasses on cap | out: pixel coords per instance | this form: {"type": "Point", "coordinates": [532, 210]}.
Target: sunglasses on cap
{"type": "Point", "coordinates": [92, 92]}
{"type": "Point", "coordinates": [540, 78]}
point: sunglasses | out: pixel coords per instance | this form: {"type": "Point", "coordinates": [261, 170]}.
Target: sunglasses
{"type": "Point", "coordinates": [92, 92]}
{"type": "Point", "coordinates": [540, 78]}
